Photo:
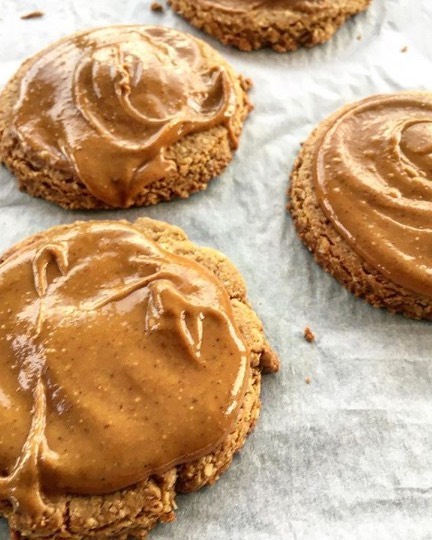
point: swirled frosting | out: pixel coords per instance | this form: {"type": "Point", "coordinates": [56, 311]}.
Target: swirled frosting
{"type": "Point", "coordinates": [117, 359]}
{"type": "Point", "coordinates": [373, 176]}
{"type": "Point", "coordinates": [106, 103]}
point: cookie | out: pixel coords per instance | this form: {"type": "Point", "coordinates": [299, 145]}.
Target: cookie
{"type": "Point", "coordinates": [361, 200]}
{"type": "Point", "coordinates": [284, 25]}
{"type": "Point", "coordinates": [131, 366]}
{"type": "Point", "coordinates": [121, 116]}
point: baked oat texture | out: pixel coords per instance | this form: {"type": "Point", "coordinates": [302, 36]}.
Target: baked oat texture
{"type": "Point", "coordinates": [332, 252]}
{"type": "Point", "coordinates": [132, 512]}
{"type": "Point", "coordinates": [198, 157]}
{"type": "Point", "coordinates": [265, 27]}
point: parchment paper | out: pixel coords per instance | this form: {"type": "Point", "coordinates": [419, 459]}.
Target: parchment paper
{"type": "Point", "coordinates": [348, 456]}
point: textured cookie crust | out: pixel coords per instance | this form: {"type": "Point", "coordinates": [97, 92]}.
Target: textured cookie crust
{"type": "Point", "coordinates": [132, 512]}
{"type": "Point", "coordinates": [332, 252]}
{"type": "Point", "coordinates": [281, 30]}
{"type": "Point", "coordinates": [198, 157]}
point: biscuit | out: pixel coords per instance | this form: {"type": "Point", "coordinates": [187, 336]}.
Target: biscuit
{"type": "Point", "coordinates": [134, 510]}
{"type": "Point", "coordinates": [360, 196]}
{"type": "Point", "coordinates": [280, 24]}
{"type": "Point", "coordinates": [121, 116]}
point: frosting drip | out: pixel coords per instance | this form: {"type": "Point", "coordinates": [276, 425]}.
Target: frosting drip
{"type": "Point", "coordinates": [118, 360]}
{"type": "Point", "coordinates": [373, 175]}
{"type": "Point", "coordinates": [106, 104]}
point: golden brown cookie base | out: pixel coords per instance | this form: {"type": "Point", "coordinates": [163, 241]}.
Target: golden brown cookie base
{"type": "Point", "coordinates": [136, 510]}
{"type": "Point", "coordinates": [282, 31]}
{"type": "Point", "coordinates": [332, 252]}
{"type": "Point", "coordinates": [198, 158]}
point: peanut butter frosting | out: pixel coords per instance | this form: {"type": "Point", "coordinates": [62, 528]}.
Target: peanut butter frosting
{"type": "Point", "coordinates": [373, 176]}
{"type": "Point", "coordinates": [118, 360]}
{"type": "Point", "coordinates": [106, 103]}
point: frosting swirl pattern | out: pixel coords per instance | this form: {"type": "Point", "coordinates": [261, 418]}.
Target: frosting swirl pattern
{"type": "Point", "coordinates": [118, 360]}
{"type": "Point", "coordinates": [373, 176]}
{"type": "Point", "coordinates": [106, 103]}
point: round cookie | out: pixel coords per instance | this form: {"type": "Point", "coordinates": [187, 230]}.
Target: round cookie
{"type": "Point", "coordinates": [361, 200]}
{"type": "Point", "coordinates": [121, 116]}
{"type": "Point", "coordinates": [133, 510]}
{"type": "Point", "coordinates": [284, 25]}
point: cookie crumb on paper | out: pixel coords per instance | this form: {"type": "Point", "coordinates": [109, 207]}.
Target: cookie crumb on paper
{"type": "Point", "coordinates": [309, 335]}
{"type": "Point", "coordinates": [157, 7]}
{"type": "Point", "coordinates": [32, 15]}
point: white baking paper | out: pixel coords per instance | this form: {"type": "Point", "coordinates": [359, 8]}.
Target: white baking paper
{"type": "Point", "coordinates": [348, 456]}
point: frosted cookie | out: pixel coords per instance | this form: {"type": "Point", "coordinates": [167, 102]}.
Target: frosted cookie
{"type": "Point", "coordinates": [361, 199]}
{"type": "Point", "coordinates": [121, 116]}
{"type": "Point", "coordinates": [131, 365]}
{"type": "Point", "coordinates": [284, 25]}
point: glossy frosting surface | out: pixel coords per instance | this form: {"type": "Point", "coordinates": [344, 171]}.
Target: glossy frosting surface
{"type": "Point", "coordinates": [117, 359]}
{"type": "Point", "coordinates": [373, 175]}
{"type": "Point", "coordinates": [105, 104]}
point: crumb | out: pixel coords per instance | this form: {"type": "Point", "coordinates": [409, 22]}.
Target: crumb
{"type": "Point", "coordinates": [359, 37]}
{"type": "Point", "coordinates": [32, 15]}
{"type": "Point", "coordinates": [308, 335]}
{"type": "Point", "coordinates": [155, 6]}
{"type": "Point", "coordinates": [404, 49]}
{"type": "Point", "coordinates": [308, 380]}
{"type": "Point", "coordinates": [246, 83]}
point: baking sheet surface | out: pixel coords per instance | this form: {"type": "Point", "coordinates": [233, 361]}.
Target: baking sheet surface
{"type": "Point", "coordinates": [348, 456]}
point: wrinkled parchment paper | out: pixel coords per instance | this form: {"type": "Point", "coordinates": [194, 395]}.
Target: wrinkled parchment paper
{"type": "Point", "coordinates": [348, 456]}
